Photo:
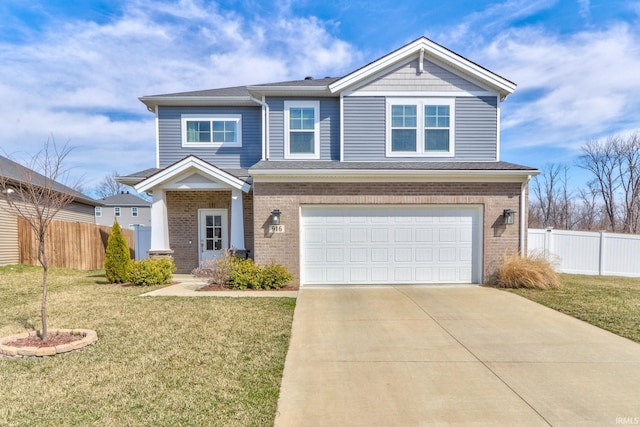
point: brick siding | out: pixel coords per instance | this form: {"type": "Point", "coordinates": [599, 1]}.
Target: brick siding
{"type": "Point", "coordinates": [182, 215]}
{"type": "Point", "coordinates": [288, 197]}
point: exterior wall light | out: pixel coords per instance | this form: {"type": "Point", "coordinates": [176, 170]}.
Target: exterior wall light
{"type": "Point", "coordinates": [509, 216]}
{"type": "Point", "coordinates": [275, 217]}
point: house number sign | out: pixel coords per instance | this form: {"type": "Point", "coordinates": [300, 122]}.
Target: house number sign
{"type": "Point", "coordinates": [276, 229]}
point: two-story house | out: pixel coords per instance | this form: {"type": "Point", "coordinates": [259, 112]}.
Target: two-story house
{"type": "Point", "coordinates": [124, 207]}
{"type": "Point", "coordinates": [390, 174]}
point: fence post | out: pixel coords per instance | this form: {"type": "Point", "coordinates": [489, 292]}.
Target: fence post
{"type": "Point", "coordinates": [601, 255]}
{"type": "Point", "coordinates": [547, 243]}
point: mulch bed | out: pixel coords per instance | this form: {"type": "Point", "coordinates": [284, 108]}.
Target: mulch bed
{"type": "Point", "coordinates": [218, 288]}
{"type": "Point", "coordinates": [52, 341]}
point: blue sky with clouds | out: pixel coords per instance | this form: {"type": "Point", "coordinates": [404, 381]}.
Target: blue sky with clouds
{"type": "Point", "coordinates": [75, 70]}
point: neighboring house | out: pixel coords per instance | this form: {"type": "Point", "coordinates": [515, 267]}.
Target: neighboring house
{"type": "Point", "coordinates": [127, 208]}
{"type": "Point", "coordinates": [390, 174]}
{"type": "Point", "coordinates": [81, 209]}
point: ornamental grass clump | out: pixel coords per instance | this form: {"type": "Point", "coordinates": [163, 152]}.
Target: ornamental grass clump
{"type": "Point", "coordinates": [532, 272]}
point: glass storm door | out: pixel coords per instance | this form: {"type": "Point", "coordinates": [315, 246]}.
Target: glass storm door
{"type": "Point", "coordinates": [213, 233]}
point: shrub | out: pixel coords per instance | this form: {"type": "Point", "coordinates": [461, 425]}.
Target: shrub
{"type": "Point", "coordinates": [533, 272]}
{"type": "Point", "coordinates": [216, 271]}
{"type": "Point", "coordinates": [275, 276]}
{"type": "Point", "coordinates": [245, 274]}
{"type": "Point", "coordinates": [117, 261]}
{"type": "Point", "coordinates": [153, 271]}
{"type": "Point", "coordinates": [240, 273]}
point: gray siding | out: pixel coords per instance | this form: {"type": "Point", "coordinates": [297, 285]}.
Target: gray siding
{"type": "Point", "coordinates": [125, 219]}
{"type": "Point", "coordinates": [329, 127]}
{"type": "Point", "coordinates": [170, 137]}
{"type": "Point", "coordinates": [364, 128]}
{"type": "Point", "coordinates": [407, 79]}
{"type": "Point", "coordinates": [476, 128]}
{"type": "Point", "coordinates": [365, 132]}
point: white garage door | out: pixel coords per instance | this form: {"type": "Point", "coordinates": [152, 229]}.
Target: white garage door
{"type": "Point", "coordinates": [391, 245]}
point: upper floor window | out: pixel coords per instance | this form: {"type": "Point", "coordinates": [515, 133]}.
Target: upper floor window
{"type": "Point", "coordinates": [134, 211]}
{"type": "Point", "coordinates": [98, 211]}
{"type": "Point", "coordinates": [214, 129]}
{"type": "Point", "coordinates": [116, 211]}
{"type": "Point", "coordinates": [302, 129]}
{"type": "Point", "coordinates": [420, 127]}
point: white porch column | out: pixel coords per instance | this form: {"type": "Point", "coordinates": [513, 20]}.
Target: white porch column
{"type": "Point", "coordinates": [159, 225]}
{"type": "Point", "coordinates": [237, 220]}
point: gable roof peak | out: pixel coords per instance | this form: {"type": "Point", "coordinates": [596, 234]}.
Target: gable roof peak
{"type": "Point", "coordinates": [425, 48]}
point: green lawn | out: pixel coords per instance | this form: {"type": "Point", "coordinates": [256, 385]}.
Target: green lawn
{"type": "Point", "coordinates": [611, 303]}
{"type": "Point", "coordinates": [158, 362]}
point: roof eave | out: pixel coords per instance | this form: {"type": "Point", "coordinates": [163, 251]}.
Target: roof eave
{"type": "Point", "coordinates": [395, 174]}
{"type": "Point", "coordinates": [290, 91]}
{"type": "Point", "coordinates": [152, 101]}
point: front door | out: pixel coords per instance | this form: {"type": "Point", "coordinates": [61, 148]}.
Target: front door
{"type": "Point", "coordinates": [212, 233]}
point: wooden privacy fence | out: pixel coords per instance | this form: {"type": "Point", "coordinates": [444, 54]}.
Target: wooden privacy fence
{"type": "Point", "coordinates": [76, 245]}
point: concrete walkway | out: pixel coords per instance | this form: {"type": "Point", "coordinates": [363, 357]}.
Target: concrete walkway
{"type": "Point", "coordinates": [187, 286]}
{"type": "Point", "coordinates": [419, 356]}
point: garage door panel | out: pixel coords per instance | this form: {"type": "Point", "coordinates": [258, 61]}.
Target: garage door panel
{"type": "Point", "coordinates": [358, 235]}
{"type": "Point", "coordinates": [335, 235]}
{"type": "Point", "coordinates": [403, 235]}
{"type": "Point", "coordinates": [379, 275]}
{"type": "Point", "coordinates": [424, 275]}
{"type": "Point", "coordinates": [358, 274]}
{"type": "Point", "coordinates": [315, 256]}
{"type": "Point", "coordinates": [380, 235]}
{"type": "Point", "coordinates": [403, 255]}
{"type": "Point", "coordinates": [424, 254]}
{"type": "Point", "coordinates": [313, 235]}
{"type": "Point", "coordinates": [358, 255]}
{"type": "Point", "coordinates": [399, 244]}
{"type": "Point", "coordinates": [380, 255]}
{"type": "Point", "coordinates": [403, 275]}
{"type": "Point", "coordinates": [335, 255]}
{"type": "Point", "coordinates": [424, 235]}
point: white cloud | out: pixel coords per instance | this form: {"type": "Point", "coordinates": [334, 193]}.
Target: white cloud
{"type": "Point", "coordinates": [77, 79]}
{"type": "Point", "coordinates": [570, 88]}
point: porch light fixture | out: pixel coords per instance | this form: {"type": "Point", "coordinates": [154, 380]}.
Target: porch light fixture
{"type": "Point", "coordinates": [275, 217]}
{"type": "Point", "coordinates": [509, 216]}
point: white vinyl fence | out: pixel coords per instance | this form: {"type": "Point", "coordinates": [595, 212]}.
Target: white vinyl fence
{"type": "Point", "coordinates": [143, 241]}
{"type": "Point", "coordinates": [585, 252]}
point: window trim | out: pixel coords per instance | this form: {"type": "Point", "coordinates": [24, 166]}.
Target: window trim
{"type": "Point", "coordinates": [420, 104]}
{"type": "Point", "coordinates": [117, 212]}
{"type": "Point", "coordinates": [211, 118]}
{"type": "Point", "coordinates": [134, 212]}
{"type": "Point", "coordinates": [98, 211]}
{"type": "Point", "coordinates": [316, 129]}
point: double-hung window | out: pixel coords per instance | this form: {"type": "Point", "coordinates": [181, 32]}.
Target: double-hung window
{"type": "Point", "coordinates": [116, 211]}
{"type": "Point", "coordinates": [302, 129]}
{"type": "Point", "coordinates": [218, 130]}
{"type": "Point", "coordinates": [420, 127]}
{"type": "Point", "coordinates": [98, 211]}
{"type": "Point", "coordinates": [134, 211]}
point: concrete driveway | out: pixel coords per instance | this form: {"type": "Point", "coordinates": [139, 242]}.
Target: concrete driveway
{"type": "Point", "coordinates": [412, 356]}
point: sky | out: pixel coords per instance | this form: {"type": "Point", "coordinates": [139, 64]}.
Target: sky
{"type": "Point", "coordinates": [73, 71]}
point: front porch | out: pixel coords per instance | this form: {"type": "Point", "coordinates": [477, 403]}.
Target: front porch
{"type": "Point", "coordinates": [197, 211]}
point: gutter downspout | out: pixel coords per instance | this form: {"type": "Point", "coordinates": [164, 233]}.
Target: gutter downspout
{"type": "Point", "coordinates": [265, 126]}
{"type": "Point", "coordinates": [523, 191]}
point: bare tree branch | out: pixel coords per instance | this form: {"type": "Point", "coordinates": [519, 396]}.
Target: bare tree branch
{"type": "Point", "coordinates": [36, 194]}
